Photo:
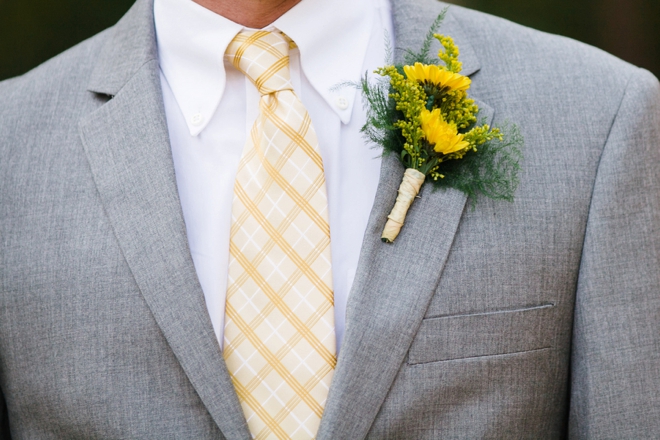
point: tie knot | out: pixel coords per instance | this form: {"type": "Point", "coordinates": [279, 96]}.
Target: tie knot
{"type": "Point", "coordinates": [264, 58]}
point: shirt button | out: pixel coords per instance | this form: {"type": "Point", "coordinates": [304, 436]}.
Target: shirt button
{"type": "Point", "coordinates": [197, 119]}
{"type": "Point", "coordinates": [342, 103]}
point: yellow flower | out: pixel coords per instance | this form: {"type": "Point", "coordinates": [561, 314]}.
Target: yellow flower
{"type": "Point", "coordinates": [433, 74]}
{"type": "Point", "coordinates": [442, 135]}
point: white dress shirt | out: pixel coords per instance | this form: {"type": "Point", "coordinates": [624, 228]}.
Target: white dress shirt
{"type": "Point", "coordinates": [210, 108]}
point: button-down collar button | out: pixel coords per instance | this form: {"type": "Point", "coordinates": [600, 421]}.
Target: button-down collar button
{"type": "Point", "coordinates": [341, 103]}
{"type": "Point", "coordinates": [197, 119]}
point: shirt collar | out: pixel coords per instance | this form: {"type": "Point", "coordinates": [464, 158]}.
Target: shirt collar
{"type": "Point", "coordinates": [332, 36]}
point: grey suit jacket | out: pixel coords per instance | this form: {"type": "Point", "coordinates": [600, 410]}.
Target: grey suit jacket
{"type": "Point", "coordinates": [533, 319]}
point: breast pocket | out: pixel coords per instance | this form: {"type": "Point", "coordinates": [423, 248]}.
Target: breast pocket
{"type": "Point", "coordinates": [484, 334]}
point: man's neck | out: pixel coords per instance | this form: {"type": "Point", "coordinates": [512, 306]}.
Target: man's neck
{"type": "Point", "coordinates": [250, 13]}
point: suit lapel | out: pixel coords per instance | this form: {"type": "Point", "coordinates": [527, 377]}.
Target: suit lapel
{"type": "Point", "coordinates": [127, 145]}
{"type": "Point", "coordinates": [394, 282]}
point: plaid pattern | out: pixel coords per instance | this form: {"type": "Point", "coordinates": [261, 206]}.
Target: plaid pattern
{"type": "Point", "coordinates": [279, 327]}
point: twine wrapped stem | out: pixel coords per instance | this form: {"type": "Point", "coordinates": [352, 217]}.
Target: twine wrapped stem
{"type": "Point", "coordinates": [410, 186]}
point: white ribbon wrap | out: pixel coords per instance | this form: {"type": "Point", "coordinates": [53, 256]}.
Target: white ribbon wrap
{"type": "Point", "coordinates": [410, 186]}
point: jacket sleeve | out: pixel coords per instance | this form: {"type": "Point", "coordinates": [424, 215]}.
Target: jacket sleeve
{"type": "Point", "coordinates": [615, 367]}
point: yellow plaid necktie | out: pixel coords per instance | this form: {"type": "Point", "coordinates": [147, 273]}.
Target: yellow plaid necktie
{"type": "Point", "coordinates": [279, 324]}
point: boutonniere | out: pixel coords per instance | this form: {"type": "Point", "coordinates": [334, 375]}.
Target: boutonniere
{"type": "Point", "coordinates": [424, 115]}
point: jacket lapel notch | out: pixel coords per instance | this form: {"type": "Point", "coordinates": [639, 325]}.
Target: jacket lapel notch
{"type": "Point", "coordinates": [413, 18]}
{"type": "Point", "coordinates": [130, 44]}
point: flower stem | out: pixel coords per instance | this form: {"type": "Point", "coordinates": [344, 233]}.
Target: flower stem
{"type": "Point", "coordinates": [410, 186]}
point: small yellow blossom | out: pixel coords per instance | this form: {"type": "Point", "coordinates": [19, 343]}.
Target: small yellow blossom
{"type": "Point", "coordinates": [410, 100]}
{"type": "Point", "coordinates": [444, 136]}
{"type": "Point", "coordinates": [440, 77]}
{"type": "Point", "coordinates": [450, 53]}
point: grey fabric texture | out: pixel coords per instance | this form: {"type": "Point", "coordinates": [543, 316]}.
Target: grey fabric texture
{"type": "Point", "coordinates": [533, 319]}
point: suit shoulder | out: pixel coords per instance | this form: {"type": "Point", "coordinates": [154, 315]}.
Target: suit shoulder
{"type": "Point", "coordinates": [499, 40]}
{"type": "Point", "coordinates": [71, 68]}
{"type": "Point", "coordinates": [524, 62]}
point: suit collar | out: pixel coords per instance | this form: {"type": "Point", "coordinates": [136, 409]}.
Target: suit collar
{"type": "Point", "coordinates": [130, 45]}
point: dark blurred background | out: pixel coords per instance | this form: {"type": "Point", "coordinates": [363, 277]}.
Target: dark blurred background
{"type": "Point", "coordinates": [31, 31]}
